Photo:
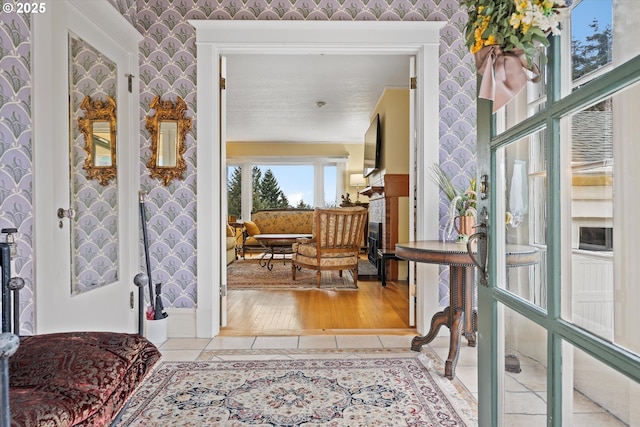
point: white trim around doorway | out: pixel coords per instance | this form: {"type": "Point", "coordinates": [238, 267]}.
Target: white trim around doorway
{"type": "Point", "coordinates": [216, 38]}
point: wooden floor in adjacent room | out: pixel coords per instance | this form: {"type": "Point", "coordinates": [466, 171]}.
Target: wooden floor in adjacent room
{"type": "Point", "coordinates": [369, 309]}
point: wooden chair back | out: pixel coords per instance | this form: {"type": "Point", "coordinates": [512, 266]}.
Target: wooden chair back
{"type": "Point", "coordinates": [338, 231]}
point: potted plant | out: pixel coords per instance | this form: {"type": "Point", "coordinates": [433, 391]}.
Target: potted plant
{"type": "Point", "coordinates": [462, 204]}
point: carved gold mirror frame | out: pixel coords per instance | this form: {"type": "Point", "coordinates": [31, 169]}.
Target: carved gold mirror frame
{"type": "Point", "coordinates": [168, 128]}
{"type": "Point", "coordinates": [99, 129]}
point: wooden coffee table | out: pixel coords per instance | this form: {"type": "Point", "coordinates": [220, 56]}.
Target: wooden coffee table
{"type": "Point", "coordinates": [277, 244]}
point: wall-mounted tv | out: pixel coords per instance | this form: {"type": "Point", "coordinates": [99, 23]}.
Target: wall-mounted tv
{"type": "Point", "coordinates": [372, 147]}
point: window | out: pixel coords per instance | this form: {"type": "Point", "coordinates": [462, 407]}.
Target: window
{"type": "Point", "coordinates": [234, 191]}
{"type": "Point", "coordinates": [287, 183]}
{"type": "Point", "coordinates": [281, 186]}
{"type": "Point", "coordinates": [330, 187]}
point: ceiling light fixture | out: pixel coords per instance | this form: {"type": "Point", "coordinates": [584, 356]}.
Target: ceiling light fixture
{"type": "Point", "coordinates": [321, 104]}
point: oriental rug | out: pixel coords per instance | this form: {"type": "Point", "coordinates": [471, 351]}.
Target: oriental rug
{"type": "Point", "coordinates": [344, 390]}
{"type": "Point", "coordinates": [249, 274]}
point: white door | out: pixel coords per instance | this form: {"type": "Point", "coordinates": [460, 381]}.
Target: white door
{"type": "Point", "coordinates": [92, 291]}
{"type": "Point", "coordinates": [412, 177]}
{"type": "Point", "coordinates": [223, 188]}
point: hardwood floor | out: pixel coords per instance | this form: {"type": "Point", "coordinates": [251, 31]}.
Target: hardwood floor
{"type": "Point", "coordinates": [370, 309]}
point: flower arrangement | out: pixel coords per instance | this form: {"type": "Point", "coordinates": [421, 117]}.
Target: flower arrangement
{"type": "Point", "coordinates": [512, 24]}
{"type": "Point", "coordinates": [460, 203]}
{"type": "Point", "coordinates": [504, 36]}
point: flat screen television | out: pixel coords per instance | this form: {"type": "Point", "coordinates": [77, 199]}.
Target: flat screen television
{"type": "Point", "coordinates": [372, 147]}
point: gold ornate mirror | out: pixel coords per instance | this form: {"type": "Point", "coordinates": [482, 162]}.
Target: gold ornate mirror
{"type": "Point", "coordinates": [168, 128]}
{"type": "Point", "coordinates": [99, 129]}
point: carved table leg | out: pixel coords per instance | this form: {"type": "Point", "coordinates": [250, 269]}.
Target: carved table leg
{"type": "Point", "coordinates": [469, 313]}
{"type": "Point", "coordinates": [459, 317]}
{"type": "Point", "coordinates": [439, 319]}
{"type": "Point", "coordinates": [454, 345]}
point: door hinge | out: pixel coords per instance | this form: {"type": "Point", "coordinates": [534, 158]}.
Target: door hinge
{"type": "Point", "coordinates": [414, 82]}
{"type": "Point", "coordinates": [223, 290]}
{"type": "Point", "coordinates": [223, 83]}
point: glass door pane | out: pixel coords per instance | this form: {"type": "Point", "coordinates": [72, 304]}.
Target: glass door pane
{"type": "Point", "coordinates": [591, 40]}
{"type": "Point", "coordinates": [600, 396]}
{"type": "Point", "coordinates": [602, 176]}
{"type": "Point", "coordinates": [525, 371]}
{"type": "Point", "coordinates": [521, 173]}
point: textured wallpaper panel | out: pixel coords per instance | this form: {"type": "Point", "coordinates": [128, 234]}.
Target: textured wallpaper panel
{"type": "Point", "coordinates": [16, 151]}
{"type": "Point", "coordinates": [95, 228]}
{"type": "Point", "coordinates": [127, 8]}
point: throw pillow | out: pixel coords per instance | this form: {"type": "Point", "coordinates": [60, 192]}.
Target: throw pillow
{"type": "Point", "coordinates": [251, 228]}
{"type": "Point", "coordinates": [230, 231]}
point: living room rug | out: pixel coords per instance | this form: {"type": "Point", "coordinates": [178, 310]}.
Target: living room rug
{"type": "Point", "coordinates": [366, 270]}
{"type": "Point", "coordinates": [248, 274]}
{"type": "Point", "coordinates": [397, 390]}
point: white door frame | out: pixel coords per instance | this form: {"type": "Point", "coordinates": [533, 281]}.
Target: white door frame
{"type": "Point", "coordinates": [215, 38]}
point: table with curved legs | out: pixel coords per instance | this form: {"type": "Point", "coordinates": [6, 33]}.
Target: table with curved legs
{"type": "Point", "coordinates": [460, 317]}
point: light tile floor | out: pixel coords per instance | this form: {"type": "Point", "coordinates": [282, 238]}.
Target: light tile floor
{"type": "Point", "coordinates": [531, 402]}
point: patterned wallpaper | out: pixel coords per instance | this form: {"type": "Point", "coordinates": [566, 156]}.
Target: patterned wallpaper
{"type": "Point", "coordinates": [16, 169]}
{"type": "Point", "coordinates": [94, 230]}
{"type": "Point", "coordinates": [167, 68]}
{"type": "Point", "coordinates": [127, 8]}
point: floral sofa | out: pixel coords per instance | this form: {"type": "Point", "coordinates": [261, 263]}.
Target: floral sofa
{"type": "Point", "coordinates": [275, 221]}
{"type": "Point", "coordinates": [231, 244]}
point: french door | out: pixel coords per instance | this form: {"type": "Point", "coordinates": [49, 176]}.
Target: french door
{"type": "Point", "coordinates": [558, 342]}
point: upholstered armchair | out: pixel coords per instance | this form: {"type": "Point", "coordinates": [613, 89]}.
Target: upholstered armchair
{"type": "Point", "coordinates": [335, 245]}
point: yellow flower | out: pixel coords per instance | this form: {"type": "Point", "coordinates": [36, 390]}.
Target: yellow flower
{"type": "Point", "coordinates": [510, 23]}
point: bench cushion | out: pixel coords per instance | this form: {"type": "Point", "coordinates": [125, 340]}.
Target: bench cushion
{"type": "Point", "coordinates": [79, 378]}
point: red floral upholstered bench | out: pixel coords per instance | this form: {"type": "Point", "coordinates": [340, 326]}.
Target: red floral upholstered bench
{"type": "Point", "coordinates": [79, 378]}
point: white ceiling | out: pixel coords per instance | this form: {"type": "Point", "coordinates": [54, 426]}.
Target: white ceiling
{"type": "Point", "coordinates": [273, 98]}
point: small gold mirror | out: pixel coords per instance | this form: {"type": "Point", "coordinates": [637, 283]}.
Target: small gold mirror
{"type": "Point", "coordinates": [99, 129]}
{"type": "Point", "coordinates": [168, 128]}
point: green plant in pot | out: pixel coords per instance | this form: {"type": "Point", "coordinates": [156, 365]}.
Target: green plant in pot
{"type": "Point", "coordinates": [462, 204]}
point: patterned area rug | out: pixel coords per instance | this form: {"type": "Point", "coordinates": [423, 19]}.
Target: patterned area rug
{"type": "Point", "coordinates": [249, 274]}
{"type": "Point", "coordinates": [336, 392]}
{"type": "Point", "coordinates": [366, 270]}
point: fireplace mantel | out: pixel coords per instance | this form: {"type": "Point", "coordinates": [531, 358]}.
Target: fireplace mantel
{"type": "Point", "coordinates": [394, 218]}
{"type": "Point", "coordinates": [394, 185]}
{"type": "Point", "coordinates": [370, 191]}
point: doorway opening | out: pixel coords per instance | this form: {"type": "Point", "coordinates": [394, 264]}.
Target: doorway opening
{"type": "Point", "coordinates": [216, 38]}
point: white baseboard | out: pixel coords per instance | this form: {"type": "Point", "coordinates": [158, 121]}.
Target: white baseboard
{"type": "Point", "coordinates": [182, 322]}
